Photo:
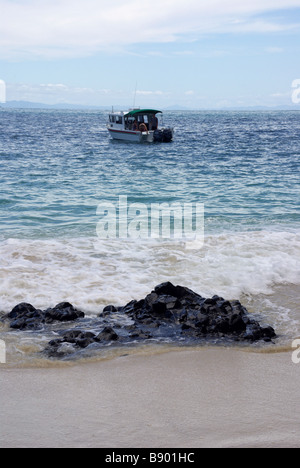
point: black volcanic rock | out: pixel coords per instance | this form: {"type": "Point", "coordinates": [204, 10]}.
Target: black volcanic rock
{"type": "Point", "coordinates": [195, 315]}
{"type": "Point", "coordinates": [25, 316]}
{"type": "Point", "coordinates": [63, 312]}
{"type": "Point", "coordinates": [79, 339]}
{"type": "Point", "coordinates": [107, 334]}
{"type": "Point", "coordinates": [172, 313]}
{"type": "Point", "coordinates": [21, 310]}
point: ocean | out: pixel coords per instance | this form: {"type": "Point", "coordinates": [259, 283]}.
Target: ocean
{"type": "Point", "coordinates": [57, 167]}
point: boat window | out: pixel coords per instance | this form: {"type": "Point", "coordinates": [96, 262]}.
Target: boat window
{"type": "Point", "coordinates": [146, 119]}
{"type": "Point", "coordinates": [119, 119]}
{"type": "Point", "coordinates": [112, 118]}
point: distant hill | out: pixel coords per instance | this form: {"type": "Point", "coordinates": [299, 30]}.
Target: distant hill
{"type": "Point", "coordinates": [39, 105]}
{"type": "Point", "coordinates": [294, 107]}
{"type": "Point", "coordinates": [175, 107]}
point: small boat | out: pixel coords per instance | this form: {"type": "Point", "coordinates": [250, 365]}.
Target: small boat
{"type": "Point", "coordinates": [138, 125]}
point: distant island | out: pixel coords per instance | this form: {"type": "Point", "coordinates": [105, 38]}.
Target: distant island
{"type": "Point", "coordinates": [40, 105]}
{"type": "Point", "coordinates": [175, 107]}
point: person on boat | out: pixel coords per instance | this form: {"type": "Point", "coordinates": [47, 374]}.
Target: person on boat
{"type": "Point", "coordinates": [153, 122]}
{"type": "Point", "coordinates": [143, 128]}
{"type": "Point", "coordinates": [135, 126]}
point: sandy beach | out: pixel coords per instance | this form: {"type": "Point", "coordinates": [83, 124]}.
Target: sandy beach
{"type": "Point", "coordinates": [210, 397]}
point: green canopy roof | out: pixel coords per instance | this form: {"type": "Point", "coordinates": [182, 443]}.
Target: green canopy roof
{"type": "Point", "coordinates": [143, 111]}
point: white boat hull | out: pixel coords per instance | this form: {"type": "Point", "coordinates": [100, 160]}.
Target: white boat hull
{"type": "Point", "coordinates": [130, 135]}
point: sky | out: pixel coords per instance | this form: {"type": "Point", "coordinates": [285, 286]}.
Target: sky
{"type": "Point", "coordinates": [198, 54]}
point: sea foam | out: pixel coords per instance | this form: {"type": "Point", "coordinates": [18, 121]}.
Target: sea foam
{"type": "Point", "coordinates": [91, 273]}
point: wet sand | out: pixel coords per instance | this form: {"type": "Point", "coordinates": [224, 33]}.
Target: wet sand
{"type": "Point", "coordinates": [210, 397]}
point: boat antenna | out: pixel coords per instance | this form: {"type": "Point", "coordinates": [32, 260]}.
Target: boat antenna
{"type": "Point", "coordinates": [134, 94]}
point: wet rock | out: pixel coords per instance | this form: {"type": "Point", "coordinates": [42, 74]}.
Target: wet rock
{"type": "Point", "coordinates": [167, 289]}
{"type": "Point", "coordinates": [163, 305]}
{"type": "Point", "coordinates": [107, 334]}
{"type": "Point", "coordinates": [140, 334]}
{"type": "Point", "coordinates": [70, 341]}
{"type": "Point", "coordinates": [268, 332]}
{"type": "Point", "coordinates": [25, 316]}
{"type": "Point", "coordinates": [21, 310]}
{"type": "Point", "coordinates": [189, 313]}
{"type": "Point", "coordinates": [60, 349]}
{"type": "Point", "coordinates": [180, 315]}
{"type": "Point", "coordinates": [236, 323]}
{"type": "Point", "coordinates": [108, 310]}
{"type": "Point", "coordinates": [72, 336]}
{"type": "Point", "coordinates": [63, 312]}
{"type": "Point", "coordinates": [79, 339]}
{"type": "Point", "coordinates": [172, 313]}
{"type": "Point", "coordinates": [255, 332]}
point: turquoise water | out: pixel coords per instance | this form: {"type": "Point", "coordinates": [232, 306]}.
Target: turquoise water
{"type": "Point", "coordinates": [57, 166]}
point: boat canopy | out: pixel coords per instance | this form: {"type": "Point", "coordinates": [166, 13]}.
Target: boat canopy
{"type": "Point", "coordinates": [143, 111]}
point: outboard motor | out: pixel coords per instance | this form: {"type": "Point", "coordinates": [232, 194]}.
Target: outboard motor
{"type": "Point", "coordinates": [158, 135]}
{"type": "Point", "coordinates": [167, 135]}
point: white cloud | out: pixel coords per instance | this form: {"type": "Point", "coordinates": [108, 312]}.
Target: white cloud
{"type": "Point", "coordinates": [50, 93]}
{"type": "Point", "coordinates": [149, 93]}
{"type": "Point", "coordinates": [156, 53]}
{"type": "Point", "coordinates": [280, 95]}
{"type": "Point", "coordinates": [184, 52]}
{"type": "Point", "coordinates": [274, 50]}
{"type": "Point", "coordinates": [68, 28]}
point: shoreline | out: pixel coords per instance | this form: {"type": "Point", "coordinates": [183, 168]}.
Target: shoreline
{"type": "Point", "coordinates": [208, 397]}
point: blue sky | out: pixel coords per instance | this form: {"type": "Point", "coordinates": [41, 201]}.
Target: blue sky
{"type": "Point", "coordinates": [192, 53]}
